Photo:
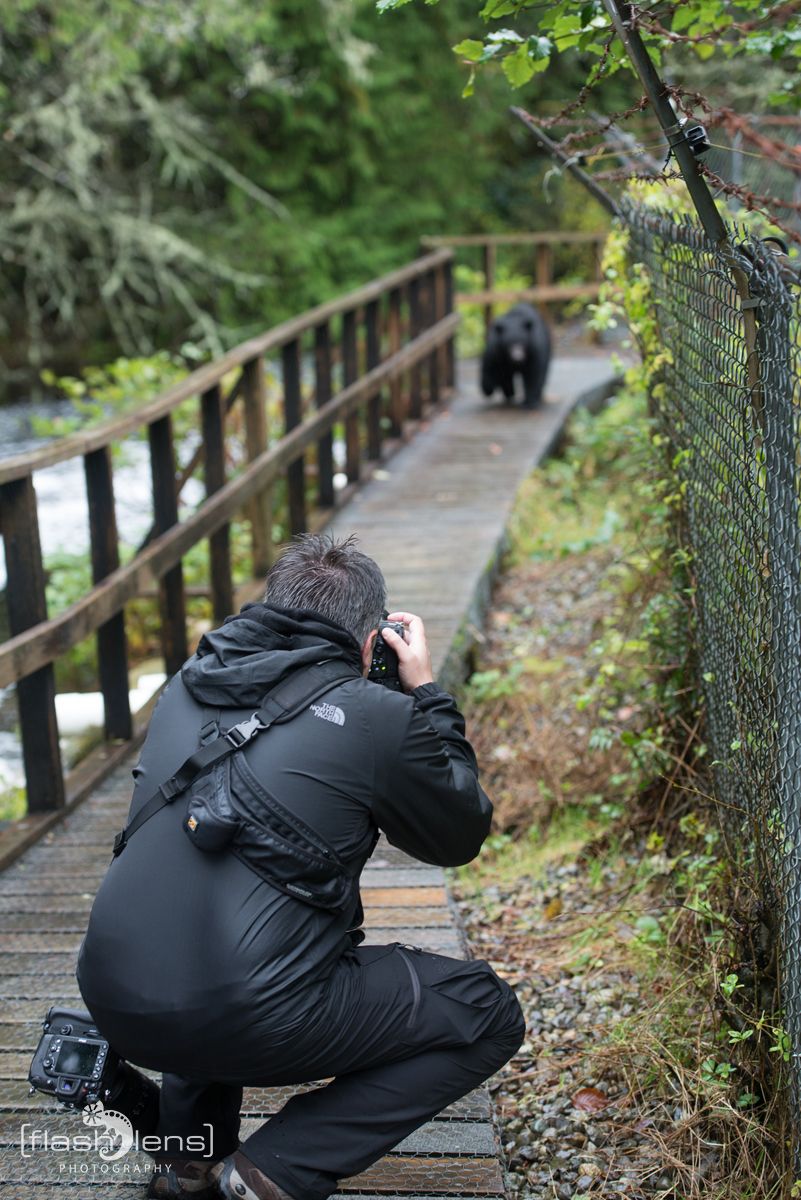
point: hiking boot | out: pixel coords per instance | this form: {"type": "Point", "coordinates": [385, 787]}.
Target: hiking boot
{"type": "Point", "coordinates": [190, 1179]}
{"type": "Point", "coordinates": [238, 1178]}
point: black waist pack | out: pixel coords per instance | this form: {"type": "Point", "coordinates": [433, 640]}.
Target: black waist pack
{"type": "Point", "coordinates": [229, 808]}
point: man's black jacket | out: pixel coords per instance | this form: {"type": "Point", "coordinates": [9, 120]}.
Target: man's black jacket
{"type": "Point", "coordinates": [183, 943]}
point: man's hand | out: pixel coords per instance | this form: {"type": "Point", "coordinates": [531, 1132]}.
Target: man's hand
{"type": "Point", "coordinates": [414, 659]}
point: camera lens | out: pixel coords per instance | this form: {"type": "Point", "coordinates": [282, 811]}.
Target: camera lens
{"type": "Point", "coordinates": [136, 1097]}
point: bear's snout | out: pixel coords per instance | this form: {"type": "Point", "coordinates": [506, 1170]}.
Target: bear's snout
{"type": "Point", "coordinates": [517, 352]}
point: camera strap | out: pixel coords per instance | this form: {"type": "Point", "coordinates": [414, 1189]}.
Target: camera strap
{"type": "Point", "coordinates": [283, 702]}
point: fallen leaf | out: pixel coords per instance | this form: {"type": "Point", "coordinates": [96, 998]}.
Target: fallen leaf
{"type": "Point", "coordinates": [589, 1099]}
{"type": "Point", "coordinates": [553, 908]}
{"type": "Point", "coordinates": [494, 448]}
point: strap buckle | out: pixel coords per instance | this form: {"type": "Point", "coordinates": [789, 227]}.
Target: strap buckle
{"type": "Point", "coordinates": [171, 788]}
{"type": "Point", "coordinates": [239, 734]}
{"type": "Point", "coordinates": [119, 843]}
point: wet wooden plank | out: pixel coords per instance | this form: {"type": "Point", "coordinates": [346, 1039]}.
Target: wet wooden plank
{"type": "Point", "coordinates": [468, 1176]}
{"type": "Point", "coordinates": [435, 1137]}
{"type": "Point", "coordinates": [396, 1173]}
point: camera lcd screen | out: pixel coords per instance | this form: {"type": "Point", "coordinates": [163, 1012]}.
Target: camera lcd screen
{"type": "Point", "coordinates": [76, 1058]}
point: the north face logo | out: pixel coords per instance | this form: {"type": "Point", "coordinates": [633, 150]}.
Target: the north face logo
{"type": "Point", "coordinates": [329, 712]}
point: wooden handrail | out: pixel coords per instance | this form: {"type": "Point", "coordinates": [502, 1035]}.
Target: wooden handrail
{"type": "Point", "coordinates": [546, 238]}
{"type": "Point", "coordinates": [199, 381]}
{"type": "Point", "coordinates": [545, 294]}
{"type": "Point", "coordinates": [402, 324]}
{"type": "Point", "coordinates": [543, 289]}
{"type": "Point", "coordinates": [20, 656]}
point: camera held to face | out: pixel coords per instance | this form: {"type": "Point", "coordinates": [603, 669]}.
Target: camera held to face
{"type": "Point", "coordinates": [384, 666]}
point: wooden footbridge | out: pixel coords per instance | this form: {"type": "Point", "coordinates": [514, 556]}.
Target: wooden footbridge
{"type": "Point", "coordinates": [430, 475]}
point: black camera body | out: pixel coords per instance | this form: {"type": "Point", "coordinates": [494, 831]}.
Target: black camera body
{"type": "Point", "coordinates": [73, 1061]}
{"type": "Point", "coordinates": [384, 665]}
{"type": "Point", "coordinates": [75, 1064]}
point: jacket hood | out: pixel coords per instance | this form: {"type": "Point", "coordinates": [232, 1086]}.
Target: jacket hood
{"type": "Point", "coordinates": [256, 648]}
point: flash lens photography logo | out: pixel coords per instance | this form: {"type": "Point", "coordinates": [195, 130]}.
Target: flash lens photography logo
{"type": "Point", "coordinates": [117, 1128]}
{"type": "Point", "coordinates": [110, 1134]}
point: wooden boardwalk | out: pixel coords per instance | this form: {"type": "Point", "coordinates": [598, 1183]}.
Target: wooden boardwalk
{"type": "Point", "coordinates": [434, 519]}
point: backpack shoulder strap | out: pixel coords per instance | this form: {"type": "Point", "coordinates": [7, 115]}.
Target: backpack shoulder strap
{"type": "Point", "coordinates": [282, 703]}
{"type": "Point", "coordinates": [298, 690]}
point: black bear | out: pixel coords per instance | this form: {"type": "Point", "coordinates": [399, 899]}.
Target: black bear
{"type": "Point", "coordinates": [518, 343]}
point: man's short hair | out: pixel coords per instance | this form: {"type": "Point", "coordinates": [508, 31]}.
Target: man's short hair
{"type": "Point", "coordinates": [333, 578]}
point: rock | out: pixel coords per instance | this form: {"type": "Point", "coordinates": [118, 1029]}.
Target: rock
{"type": "Point", "coordinates": [590, 1168]}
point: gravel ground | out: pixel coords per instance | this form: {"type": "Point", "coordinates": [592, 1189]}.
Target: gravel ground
{"type": "Point", "coordinates": [569, 1124]}
{"type": "Point", "coordinates": [576, 1116]}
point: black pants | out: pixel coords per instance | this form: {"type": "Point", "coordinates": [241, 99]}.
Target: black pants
{"type": "Point", "coordinates": [406, 1034]}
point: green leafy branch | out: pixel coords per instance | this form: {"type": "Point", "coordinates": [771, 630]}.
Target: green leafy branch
{"type": "Point", "coordinates": [707, 27]}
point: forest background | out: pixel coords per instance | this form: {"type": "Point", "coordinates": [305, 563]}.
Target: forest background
{"type": "Point", "coordinates": [179, 176]}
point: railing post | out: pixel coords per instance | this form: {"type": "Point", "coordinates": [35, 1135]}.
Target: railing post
{"type": "Point", "coordinates": [396, 386]}
{"type": "Point", "coordinates": [450, 346]}
{"type": "Point", "coordinates": [544, 265]}
{"type": "Point", "coordinates": [489, 280]}
{"type": "Point", "coordinates": [415, 398]}
{"type": "Point", "coordinates": [165, 513]}
{"type": "Point", "coordinates": [598, 253]}
{"type": "Point", "coordinates": [373, 359]}
{"type": "Point", "coordinates": [260, 509]}
{"type": "Point", "coordinates": [350, 368]}
{"type": "Point", "coordinates": [213, 421]}
{"type": "Point", "coordinates": [27, 605]}
{"type": "Point", "coordinates": [112, 648]}
{"type": "Point", "coordinates": [322, 391]}
{"type": "Point", "coordinates": [439, 313]}
{"type": "Point", "coordinates": [430, 321]}
{"type": "Point", "coordinates": [293, 415]}
{"type": "Point", "coordinates": [545, 270]}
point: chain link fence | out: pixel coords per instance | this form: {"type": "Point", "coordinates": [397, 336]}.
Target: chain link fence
{"type": "Point", "coordinates": [732, 414]}
{"type": "Point", "coordinates": [759, 154]}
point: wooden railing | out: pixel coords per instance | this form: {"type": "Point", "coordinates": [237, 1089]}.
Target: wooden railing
{"type": "Point", "coordinates": [394, 341]}
{"type": "Point", "coordinates": [544, 290]}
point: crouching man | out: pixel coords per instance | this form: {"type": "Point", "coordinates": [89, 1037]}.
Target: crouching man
{"type": "Point", "coordinates": [242, 966]}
